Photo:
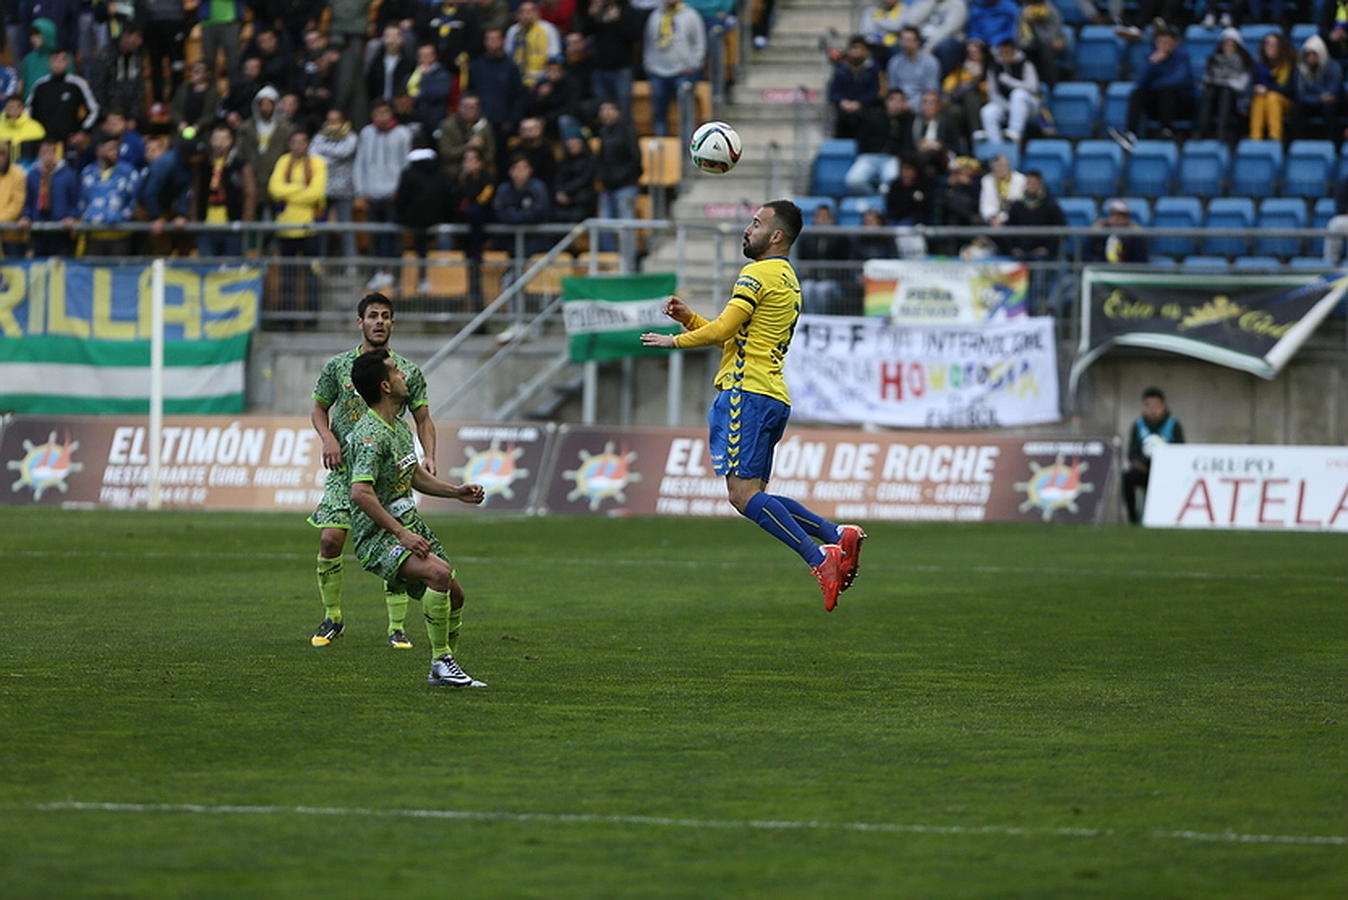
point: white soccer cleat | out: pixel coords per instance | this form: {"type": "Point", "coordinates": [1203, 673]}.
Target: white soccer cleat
{"type": "Point", "coordinates": [446, 671]}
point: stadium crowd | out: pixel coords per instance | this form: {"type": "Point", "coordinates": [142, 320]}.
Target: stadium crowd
{"type": "Point", "coordinates": [944, 99]}
{"type": "Point", "coordinates": [415, 112]}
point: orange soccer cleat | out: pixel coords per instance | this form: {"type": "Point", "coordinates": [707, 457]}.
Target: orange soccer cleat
{"type": "Point", "coordinates": [849, 540]}
{"type": "Point", "coordinates": [830, 575]}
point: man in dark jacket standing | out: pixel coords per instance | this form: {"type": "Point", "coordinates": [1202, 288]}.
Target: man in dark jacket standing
{"type": "Point", "coordinates": [62, 102]}
{"type": "Point", "coordinates": [429, 86]}
{"type": "Point", "coordinates": [117, 76]}
{"type": "Point", "coordinates": [854, 88]}
{"type": "Point", "coordinates": [619, 168]}
{"type": "Point", "coordinates": [495, 78]}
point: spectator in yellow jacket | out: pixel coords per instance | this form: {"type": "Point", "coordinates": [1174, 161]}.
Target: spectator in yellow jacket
{"type": "Point", "coordinates": [13, 192]}
{"type": "Point", "coordinates": [300, 181]}
{"type": "Point", "coordinates": [18, 129]}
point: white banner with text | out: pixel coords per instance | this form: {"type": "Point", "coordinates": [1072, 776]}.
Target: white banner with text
{"type": "Point", "coordinates": [1255, 487]}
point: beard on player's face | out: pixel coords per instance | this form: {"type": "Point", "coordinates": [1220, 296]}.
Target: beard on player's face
{"type": "Point", "coordinates": [755, 249]}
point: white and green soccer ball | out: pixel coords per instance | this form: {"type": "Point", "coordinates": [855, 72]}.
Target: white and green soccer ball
{"type": "Point", "coordinates": [715, 148]}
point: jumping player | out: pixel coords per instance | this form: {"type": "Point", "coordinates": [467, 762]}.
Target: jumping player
{"type": "Point", "coordinates": [750, 411]}
{"type": "Point", "coordinates": [391, 540]}
{"type": "Point", "coordinates": [337, 409]}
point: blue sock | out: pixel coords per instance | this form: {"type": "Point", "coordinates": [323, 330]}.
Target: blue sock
{"type": "Point", "coordinates": [771, 516]}
{"type": "Point", "coordinates": [813, 524]}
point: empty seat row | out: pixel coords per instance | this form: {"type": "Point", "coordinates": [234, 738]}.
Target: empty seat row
{"type": "Point", "coordinates": [1221, 212]}
{"type": "Point", "coordinates": [1197, 168]}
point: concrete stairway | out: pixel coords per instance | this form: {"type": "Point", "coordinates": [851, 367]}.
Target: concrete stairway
{"type": "Point", "coordinates": [778, 109]}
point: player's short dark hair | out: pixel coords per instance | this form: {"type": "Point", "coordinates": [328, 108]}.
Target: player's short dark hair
{"type": "Point", "coordinates": [788, 218]}
{"type": "Point", "coordinates": [371, 299]}
{"type": "Point", "coordinates": [368, 372]}
{"type": "Point", "coordinates": [1153, 392]}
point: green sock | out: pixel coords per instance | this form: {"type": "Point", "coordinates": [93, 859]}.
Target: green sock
{"type": "Point", "coordinates": [330, 586]}
{"type": "Point", "coordinates": [397, 609]}
{"type": "Point", "coordinates": [455, 623]}
{"type": "Point", "coordinates": [436, 607]}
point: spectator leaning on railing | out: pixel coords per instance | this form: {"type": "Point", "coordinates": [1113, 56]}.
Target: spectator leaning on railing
{"type": "Point", "coordinates": [52, 195]}
{"type": "Point", "coordinates": [224, 192]}
{"type": "Point", "coordinates": [108, 190]}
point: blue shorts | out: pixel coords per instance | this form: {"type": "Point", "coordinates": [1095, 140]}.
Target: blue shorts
{"type": "Point", "coordinates": [745, 429]}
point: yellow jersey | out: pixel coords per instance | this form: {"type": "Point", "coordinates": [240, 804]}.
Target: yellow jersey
{"type": "Point", "coordinates": [755, 328]}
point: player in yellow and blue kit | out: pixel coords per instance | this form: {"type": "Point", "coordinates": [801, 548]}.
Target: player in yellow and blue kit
{"type": "Point", "coordinates": [752, 407]}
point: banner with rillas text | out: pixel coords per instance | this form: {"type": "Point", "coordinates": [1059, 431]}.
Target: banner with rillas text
{"type": "Point", "coordinates": [75, 337]}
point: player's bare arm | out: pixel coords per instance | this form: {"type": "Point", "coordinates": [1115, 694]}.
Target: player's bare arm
{"type": "Point", "coordinates": [421, 416]}
{"type": "Point", "coordinates": [363, 495]}
{"type": "Point", "coordinates": [332, 450]}
{"type": "Point", "coordinates": [426, 483]}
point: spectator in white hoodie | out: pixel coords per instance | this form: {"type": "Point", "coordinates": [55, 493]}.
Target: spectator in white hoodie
{"type": "Point", "coordinates": [336, 143]}
{"type": "Point", "coordinates": [381, 153]}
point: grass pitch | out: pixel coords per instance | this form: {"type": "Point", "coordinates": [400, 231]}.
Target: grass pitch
{"type": "Point", "coordinates": [992, 710]}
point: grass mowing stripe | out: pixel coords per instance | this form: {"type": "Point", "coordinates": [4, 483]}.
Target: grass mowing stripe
{"type": "Point", "coordinates": [871, 565]}
{"type": "Point", "coordinates": [1227, 837]}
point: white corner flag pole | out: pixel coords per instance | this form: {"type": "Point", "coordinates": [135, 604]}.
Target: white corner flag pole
{"type": "Point", "coordinates": [156, 377]}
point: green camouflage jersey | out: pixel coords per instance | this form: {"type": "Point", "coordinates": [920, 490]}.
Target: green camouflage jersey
{"type": "Point", "coordinates": [345, 406]}
{"type": "Point", "coordinates": [385, 456]}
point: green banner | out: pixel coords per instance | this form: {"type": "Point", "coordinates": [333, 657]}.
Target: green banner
{"type": "Point", "coordinates": [605, 315]}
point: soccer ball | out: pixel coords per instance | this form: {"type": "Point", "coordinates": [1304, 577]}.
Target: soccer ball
{"type": "Point", "coordinates": [715, 148]}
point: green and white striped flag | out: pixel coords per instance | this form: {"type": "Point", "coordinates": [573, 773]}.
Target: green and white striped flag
{"type": "Point", "coordinates": [75, 338]}
{"type": "Point", "coordinates": [606, 314]}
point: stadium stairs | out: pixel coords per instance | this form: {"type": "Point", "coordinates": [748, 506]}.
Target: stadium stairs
{"type": "Point", "coordinates": [765, 112]}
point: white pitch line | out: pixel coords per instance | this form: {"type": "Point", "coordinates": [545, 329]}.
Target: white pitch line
{"type": "Point", "coordinates": [871, 566]}
{"type": "Point", "coordinates": [1225, 837]}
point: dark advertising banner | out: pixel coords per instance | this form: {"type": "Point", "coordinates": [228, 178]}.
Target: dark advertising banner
{"type": "Point", "coordinates": [1250, 322]}
{"type": "Point", "coordinates": [842, 474]}
{"type": "Point", "coordinates": [274, 463]}
{"type": "Point", "coordinates": [506, 459]}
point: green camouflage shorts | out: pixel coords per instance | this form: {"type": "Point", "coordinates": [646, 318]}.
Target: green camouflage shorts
{"type": "Point", "coordinates": [380, 553]}
{"type": "Point", "coordinates": [334, 510]}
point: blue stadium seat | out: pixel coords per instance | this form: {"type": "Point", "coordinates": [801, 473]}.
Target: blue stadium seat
{"type": "Point", "coordinates": [1053, 159]}
{"type": "Point", "coordinates": [1070, 12]}
{"type": "Point", "coordinates": [1151, 166]}
{"type": "Point", "coordinates": [1256, 170]}
{"type": "Point", "coordinates": [1139, 209]}
{"type": "Point", "coordinates": [1310, 166]}
{"type": "Point", "coordinates": [1176, 212]}
{"type": "Point", "coordinates": [1098, 54]}
{"type": "Point", "coordinates": [1117, 94]}
{"type": "Point", "coordinates": [852, 208]}
{"type": "Point", "coordinates": [1281, 212]}
{"type": "Point", "coordinates": [1300, 32]}
{"type": "Point", "coordinates": [1207, 263]}
{"type": "Point", "coordinates": [834, 158]}
{"type": "Point", "coordinates": [1135, 53]}
{"type": "Point", "coordinates": [1200, 42]}
{"type": "Point", "coordinates": [809, 204]}
{"type": "Point", "coordinates": [1096, 167]}
{"type": "Point", "coordinates": [1080, 212]}
{"type": "Point", "coordinates": [1076, 108]}
{"type": "Point", "coordinates": [1228, 212]}
{"type": "Point", "coordinates": [1253, 34]}
{"type": "Point", "coordinates": [1308, 262]}
{"type": "Point", "coordinates": [1202, 167]}
{"type": "Point", "coordinates": [986, 150]}
{"type": "Point", "coordinates": [1322, 212]}
{"type": "Point", "coordinates": [1258, 262]}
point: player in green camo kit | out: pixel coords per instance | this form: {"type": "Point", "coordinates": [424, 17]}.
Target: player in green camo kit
{"type": "Point", "coordinates": [390, 538]}
{"type": "Point", "coordinates": [337, 409]}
